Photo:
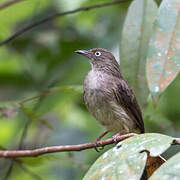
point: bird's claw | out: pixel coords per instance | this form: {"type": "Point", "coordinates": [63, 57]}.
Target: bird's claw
{"type": "Point", "coordinates": [115, 138]}
{"type": "Point", "coordinates": [98, 139]}
{"type": "Point", "coordinates": [95, 146]}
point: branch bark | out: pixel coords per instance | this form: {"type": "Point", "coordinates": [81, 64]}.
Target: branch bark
{"type": "Point", "coordinates": [63, 148]}
{"type": "Point", "coordinates": [9, 3]}
{"type": "Point", "coordinates": [56, 15]}
{"type": "Point", "coordinates": [66, 148]}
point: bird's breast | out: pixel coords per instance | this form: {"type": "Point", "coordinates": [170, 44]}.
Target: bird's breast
{"type": "Point", "coordinates": [94, 80]}
{"type": "Point", "coordinates": [96, 93]}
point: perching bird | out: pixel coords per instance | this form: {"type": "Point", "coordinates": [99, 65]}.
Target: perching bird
{"type": "Point", "coordinates": [111, 101]}
{"type": "Point", "coordinates": [107, 95]}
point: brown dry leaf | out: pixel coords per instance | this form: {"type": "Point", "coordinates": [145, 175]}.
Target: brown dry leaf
{"type": "Point", "coordinates": [153, 163]}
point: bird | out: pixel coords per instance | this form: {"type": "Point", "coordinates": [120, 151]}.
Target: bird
{"type": "Point", "coordinates": [108, 96]}
{"type": "Point", "coordinates": [112, 102]}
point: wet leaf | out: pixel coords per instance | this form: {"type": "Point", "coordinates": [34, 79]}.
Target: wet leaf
{"type": "Point", "coordinates": [155, 143]}
{"type": "Point", "coordinates": [163, 60]}
{"type": "Point", "coordinates": [169, 170]}
{"type": "Point", "coordinates": [136, 33]}
{"type": "Point", "coordinates": [125, 160]}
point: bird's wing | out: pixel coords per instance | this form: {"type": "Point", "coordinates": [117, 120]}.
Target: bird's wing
{"type": "Point", "coordinates": [126, 98]}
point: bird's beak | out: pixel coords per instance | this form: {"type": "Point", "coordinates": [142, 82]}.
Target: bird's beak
{"type": "Point", "coordinates": [84, 53]}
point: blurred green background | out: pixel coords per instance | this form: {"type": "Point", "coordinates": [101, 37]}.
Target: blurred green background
{"type": "Point", "coordinates": [43, 58]}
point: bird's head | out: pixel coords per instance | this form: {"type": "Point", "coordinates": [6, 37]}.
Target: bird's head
{"type": "Point", "coordinates": [99, 58]}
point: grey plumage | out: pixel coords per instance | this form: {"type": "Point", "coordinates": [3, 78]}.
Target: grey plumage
{"type": "Point", "coordinates": [107, 95]}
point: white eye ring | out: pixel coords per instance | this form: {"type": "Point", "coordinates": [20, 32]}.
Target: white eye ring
{"type": "Point", "coordinates": [97, 53]}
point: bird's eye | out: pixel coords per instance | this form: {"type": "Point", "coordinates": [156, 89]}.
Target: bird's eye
{"type": "Point", "coordinates": [97, 53]}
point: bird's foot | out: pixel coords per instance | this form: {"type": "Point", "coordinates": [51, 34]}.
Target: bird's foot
{"type": "Point", "coordinates": [98, 139]}
{"type": "Point", "coordinates": [116, 136]}
{"type": "Point", "coordinates": [95, 145]}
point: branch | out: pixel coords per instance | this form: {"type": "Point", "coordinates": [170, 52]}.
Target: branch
{"type": "Point", "coordinates": [63, 148]}
{"type": "Point", "coordinates": [176, 141]}
{"type": "Point", "coordinates": [56, 15]}
{"type": "Point", "coordinates": [9, 3]}
{"type": "Point", "coordinates": [67, 148]}
{"type": "Point", "coordinates": [44, 94]}
{"type": "Point", "coordinates": [51, 91]}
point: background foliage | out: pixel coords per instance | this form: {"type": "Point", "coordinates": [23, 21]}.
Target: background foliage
{"type": "Point", "coordinates": [43, 59]}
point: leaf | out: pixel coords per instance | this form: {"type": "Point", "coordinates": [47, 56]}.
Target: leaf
{"type": "Point", "coordinates": [163, 60]}
{"type": "Point", "coordinates": [169, 170]}
{"type": "Point", "coordinates": [123, 9]}
{"type": "Point", "coordinates": [136, 33]}
{"type": "Point", "coordinates": [155, 143]}
{"type": "Point", "coordinates": [125, 160]}
{"type": "Point", "coordinates": [153, 163]}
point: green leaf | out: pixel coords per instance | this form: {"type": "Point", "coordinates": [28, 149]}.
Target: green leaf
{"type": "Point", "coordinates": [136, 33]}
{"type": "Point", "coordinates": [126, 160]}
{"type": "Point", "coordinates": [163, 60]}
{"type": "Point", "coordinates": [155, 143]}
{"type": "Point", "coordinates": [169, 170]}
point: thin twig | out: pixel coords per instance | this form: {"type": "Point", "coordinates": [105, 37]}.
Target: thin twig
{"type": "Point", "coordinates": [43, 94]}
{"type": "Point", "coordinates": [56, 15]}
{"type": "Point", "coordinates": [9, 170]}
{"type": "Point", "coordinates": [9, 3]}
{"type": "Point", "coordinates": [46, 93]}
{"type": "Point", "coordinates": [63, 148]}
{"type": "Point", "coordinates": [26, 170]}
{"type": "Point", "coordinates": [23, 136]}
{"type": "Point", "coordinates": [20, 146]}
